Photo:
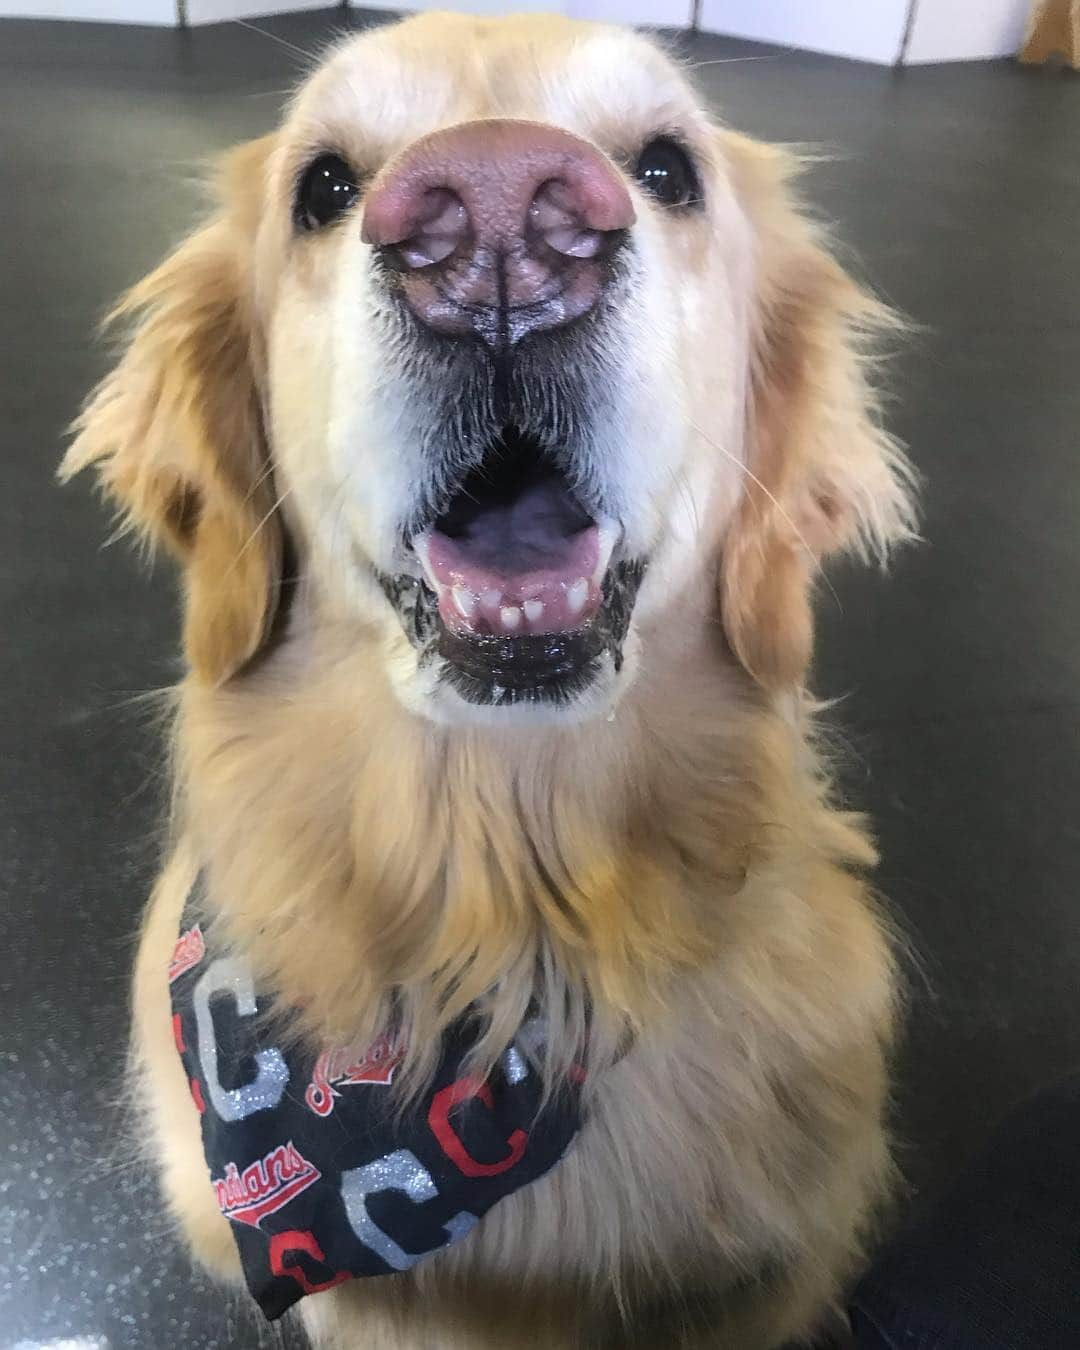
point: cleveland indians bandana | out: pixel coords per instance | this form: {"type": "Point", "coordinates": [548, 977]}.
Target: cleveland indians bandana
{"type": "Point", "coordinates": [319, 1178]}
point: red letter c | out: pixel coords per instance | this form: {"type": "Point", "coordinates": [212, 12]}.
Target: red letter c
{"type": "Point", "coordinates": [439, 1119]}
{"type": "Point", "coordinates": [284, 1244]}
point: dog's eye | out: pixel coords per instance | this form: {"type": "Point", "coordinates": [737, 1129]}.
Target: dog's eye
{"type": "Point", "coordinates": [327, 190]}
{"type": "Point", "coordinates": [664, 170]}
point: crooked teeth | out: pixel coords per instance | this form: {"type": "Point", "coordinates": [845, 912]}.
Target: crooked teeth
{"type": "Point", "coordinates": [511, 617]}
{"type": "Point", "coordinates": [491, 599]}
{"type": "Point", "coordinates": [464, 601]}
{"type": "Point", "coordinates": [534, 610]}
{"type": "Point", "coordinates": [577, 595]}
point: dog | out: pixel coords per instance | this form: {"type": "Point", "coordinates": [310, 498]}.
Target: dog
{"type": "Point", "coordinates": [501, 417]}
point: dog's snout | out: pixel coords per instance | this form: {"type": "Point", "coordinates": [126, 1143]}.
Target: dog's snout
{"type": "Point", "coordinates": [499, 227]}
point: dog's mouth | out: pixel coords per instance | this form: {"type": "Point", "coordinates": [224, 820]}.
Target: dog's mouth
{"type": "Point", "coordinates": [518, 588]}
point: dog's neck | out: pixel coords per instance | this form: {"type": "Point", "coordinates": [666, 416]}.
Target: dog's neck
{"type": "Point", "coordinates": [373, 865]}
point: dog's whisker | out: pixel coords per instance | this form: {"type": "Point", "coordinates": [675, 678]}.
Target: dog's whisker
{"type": "Point", "coordinates": [737, 60]}
{"type": "Point", "coordinates": [746, 469]}
{"type": "Point", "coordinates": [309, 57]}
{"type": "Point", "coordinates": [340, 502]}
{"type": "Point", "coordinates": [261, 524]}
{"type": "Point", "coordinates": [257, 484]}
{"type": "Point", "coordinates": [682, 487]}
{"type": "Point", "coordinates": [677, 206]}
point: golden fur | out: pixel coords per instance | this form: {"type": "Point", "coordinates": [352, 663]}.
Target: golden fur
{"type": "Point", "coordinates": [675, 866]}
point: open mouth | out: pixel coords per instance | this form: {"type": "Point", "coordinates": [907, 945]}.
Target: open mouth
{"type": "Point", "coordinates": [517, 588]}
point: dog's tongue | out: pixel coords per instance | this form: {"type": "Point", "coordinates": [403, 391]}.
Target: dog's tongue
{"type": "Point", "coordinates": [529, 565]}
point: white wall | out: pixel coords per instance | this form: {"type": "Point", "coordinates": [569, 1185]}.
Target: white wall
{"type": "Point", "coordinates": [967, 30]}
{"type": "Point", "coordinates": [116, 11]}
{"type": "Point", "coordinates": [670, 13]}
{"type": "Point", "coordinates": [466, 6]}
{"type": "Point", "coordinates": [220, 11]}
{"type": "Point", "coordinates": [160, 11]}
{"type": "Point", "coordinates": [868, 30]}
{"type": "Point", "coordinates": [151, 11]}
{"type": "Point", "coordinates": [675, 13]}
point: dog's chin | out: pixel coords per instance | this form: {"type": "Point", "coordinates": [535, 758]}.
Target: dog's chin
{"type": "Point", "coordinates": [493, 679]}
{"type": "Point", "coordinates": [434, 691]}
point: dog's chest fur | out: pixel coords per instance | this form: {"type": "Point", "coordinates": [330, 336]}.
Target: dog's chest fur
{"type": "Point", "coordinates": [738, 1139]}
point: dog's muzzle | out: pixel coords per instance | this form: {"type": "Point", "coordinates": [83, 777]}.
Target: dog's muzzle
{"type": "Point", "coordinates": [504, 242]}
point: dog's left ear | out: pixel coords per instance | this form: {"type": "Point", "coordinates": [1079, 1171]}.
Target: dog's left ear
{"type": "Point", "coordinates": [175, 430]}
{"type": "Point", "coordinates": [823, 476]}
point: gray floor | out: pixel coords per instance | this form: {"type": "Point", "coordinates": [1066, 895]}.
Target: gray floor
{"type": "Point", "coordinates": [958, 189]}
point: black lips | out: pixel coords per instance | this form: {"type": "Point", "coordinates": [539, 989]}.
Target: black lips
{"type": "Point", "coordinates": [533, 668]}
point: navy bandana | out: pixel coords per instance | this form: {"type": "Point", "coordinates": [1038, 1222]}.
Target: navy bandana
{"type": "Point", "coordinates": [319, 1178]}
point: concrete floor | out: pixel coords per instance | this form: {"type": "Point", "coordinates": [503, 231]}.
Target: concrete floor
{"type": "Point", "coordinates": [958, 190]}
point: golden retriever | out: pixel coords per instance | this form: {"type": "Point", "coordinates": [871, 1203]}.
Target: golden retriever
{"type": "Point", "coordinates": [500, 417]}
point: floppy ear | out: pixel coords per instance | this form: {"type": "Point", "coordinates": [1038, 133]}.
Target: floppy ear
{"type": "Point", "coordinates": [823, 476]}
{"type": "Point", "coordinates": [175, 430]}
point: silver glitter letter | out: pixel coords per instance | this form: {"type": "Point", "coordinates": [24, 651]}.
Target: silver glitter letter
{"type": "Point", "coordinates": [400, 1171]}
{"type": "Point", "coordinates": [514, 1065]}
{"type": "Point", "coordinates": [231, 975]}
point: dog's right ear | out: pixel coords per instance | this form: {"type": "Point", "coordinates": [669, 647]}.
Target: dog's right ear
{"type": "Point", "coordinates": [175, 431]}
{"type": "Point", "coordinates": [822, 476]}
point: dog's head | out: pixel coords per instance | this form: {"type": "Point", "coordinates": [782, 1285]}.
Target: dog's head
{"type": "Point", "coordinates": [530, 365]}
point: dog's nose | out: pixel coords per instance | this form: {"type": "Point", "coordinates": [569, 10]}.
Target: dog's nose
{"type": "Point", "coordinates": [499, 227]}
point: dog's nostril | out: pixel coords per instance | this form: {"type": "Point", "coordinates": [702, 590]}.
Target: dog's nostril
{"type": "Point", "coordinates": [553, 207]}
{"type": "Point", "coordinates": [555, 217]}
{"type": "Point", "coordinates": [575, 243]}
{"type": "Point", "coordinates": [439, 227]}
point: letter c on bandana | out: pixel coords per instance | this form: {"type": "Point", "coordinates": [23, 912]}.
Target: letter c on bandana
{"type": "Point", "coordinates": [464, 1090]}
{"type": "Point", "coordinates": [230, 975]}
{"type": "Point", "coordinates": [293, 1243]}
{"type": "Point", "coordinates": [399, 1171]}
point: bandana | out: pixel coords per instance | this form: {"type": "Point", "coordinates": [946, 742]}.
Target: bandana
{"type": "Point", "coordinates": [319, 1175]}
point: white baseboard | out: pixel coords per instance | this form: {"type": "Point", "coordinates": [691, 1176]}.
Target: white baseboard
{"type": "Point", "coordinates": [104, 11]}
{"type": "Point", "coordinates": [668, 13]}
{"type": "Point", "coordinates": [673, 13]}
{"type": "Point", "coordinates": [662, 13]}
{"type": "Point", "coordinates": [161, 12]}
{"type": "Point", "coordinates": [221, 11]}
{"type": "Point", "coordinates": [865, 30]}
{"type": "Point", "coordinates": [967, 30]}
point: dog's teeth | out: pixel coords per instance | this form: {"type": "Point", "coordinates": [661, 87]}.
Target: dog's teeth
{"type": "Point", "coordinates": [491, 600]}
{"type": "Point", "coordinates": [577, 595]}
{"type": "Point", "coordinates": [464, 601]}
{"type": "Point", "coordinates": [420, 548]}
{"type": "Point", "coordinates": [534, 610]}
{"type": "Point", "coordinates": [511, 617]}
{"type": "Point", "coordinates": [609, 537]}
